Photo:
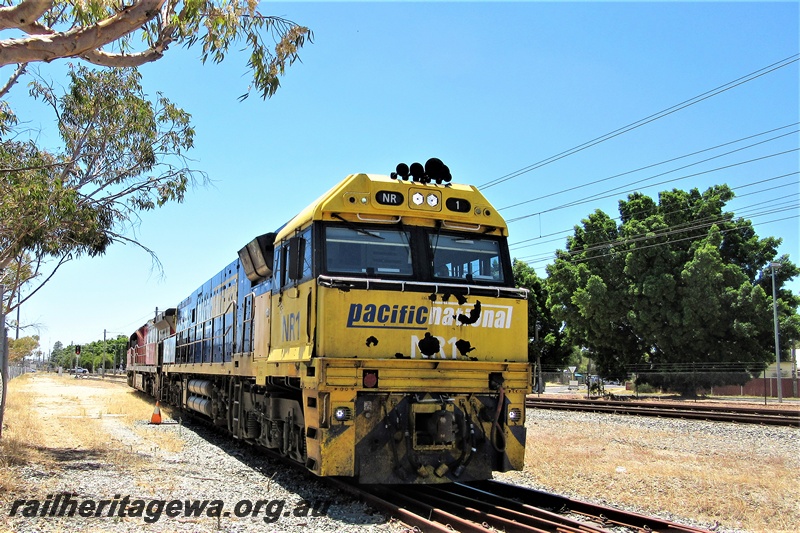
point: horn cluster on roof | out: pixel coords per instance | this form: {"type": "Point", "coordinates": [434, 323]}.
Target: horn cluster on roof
{"type": "Point", "coordinates": [434, 170]}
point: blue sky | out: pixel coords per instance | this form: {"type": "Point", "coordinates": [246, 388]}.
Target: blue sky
{"type": "Point", "coordinates": [489, 88]}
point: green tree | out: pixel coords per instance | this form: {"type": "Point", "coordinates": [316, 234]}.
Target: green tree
{"type": "Point", "coordinates": [137, 32]}
{"type": "Point", "coordinates": [674, 283]}
{"type": "Point", "coordinates": [551, 345]}
{"type": "Point", "coordinates": [66, 357]}
{"type": "Point", "coordinates": [121, 154]}
{"type": "Point", "coordinates": [56, 353]}
{"type": "Point", "coordinates": [19, 349]}
{"type": "Point", "coordinates": [94, 355]}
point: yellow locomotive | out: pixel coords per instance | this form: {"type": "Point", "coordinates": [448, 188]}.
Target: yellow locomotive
{"type": "Point", "coordinates": [377, 335]}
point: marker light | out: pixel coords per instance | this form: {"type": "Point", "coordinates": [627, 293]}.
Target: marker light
{"type": "Point", "coordinates": [515, 415]}
{"type": "Point", "coordinates": [370, 380]}
{"type": "Point", "coordinates": [342, 413]}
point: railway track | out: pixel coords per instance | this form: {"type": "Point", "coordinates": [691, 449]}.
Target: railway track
{"type": "Point", "coordinates": [719, 413]}
{"type": "Point", "coordinates": [492, 505]}
{"type": "Point", "coordinates": [487, 506]}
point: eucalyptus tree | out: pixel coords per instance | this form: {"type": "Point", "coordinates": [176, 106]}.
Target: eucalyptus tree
{"type": "Point", "coordinates": [19, 349]}
{"type": "Point", "coordinates": [110, 33]}
{"type": "Point", "coordinates": [120, 154]}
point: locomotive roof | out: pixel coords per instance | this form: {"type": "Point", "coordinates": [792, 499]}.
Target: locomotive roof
{"type": "Point", "coordinates": [382, 199]}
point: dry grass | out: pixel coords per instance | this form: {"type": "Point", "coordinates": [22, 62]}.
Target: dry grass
{"type": "Point", "coordinates": [691, 475]}
{"type": "Point", "coordinates": [131, 407]}
{"type": "Point", "coordinates": [50, 419]}
{"type": "Point", "coordinates": [21, 436]}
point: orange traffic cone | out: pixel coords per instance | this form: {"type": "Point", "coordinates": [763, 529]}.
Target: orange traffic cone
{"type": "Point", "coordinates": [156, 418]}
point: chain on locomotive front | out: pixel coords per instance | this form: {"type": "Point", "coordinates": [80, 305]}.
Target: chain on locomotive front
{"type": "Point", "coordinates": [377, 335]}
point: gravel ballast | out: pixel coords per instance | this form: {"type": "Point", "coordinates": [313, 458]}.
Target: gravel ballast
{"type": "Point", "coordinates": [716, 475]}
{"type": "Point", "coordinates": [232, 478]}
{"type": "Point", "coordinates": [244, 490]}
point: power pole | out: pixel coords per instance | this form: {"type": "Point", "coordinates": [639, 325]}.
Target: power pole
{"type": "Point", "coordinates": [539, 382]}
{"type": "Point", "coordinates": [3, 358]}
{"type": "Point", "coordinates": [774, 265]}
{"type": "Point", "coordinates": [18, 306]}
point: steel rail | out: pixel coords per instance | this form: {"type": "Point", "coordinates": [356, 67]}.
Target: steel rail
{"type": "Point", "coordinates": [600, 514]}
{"type": "Point", "coordinates": [407, 516]}
{"type": "Point", "coordinates": [486, 505]}
{"type": "Point", "coordinates": [668, 404]}
{"type": "Point", "coordinates": [749, 415]}
{"type": "Point", "coordinates": [478, 507]}
{"type": "Point", "coordinates": [485, 511]}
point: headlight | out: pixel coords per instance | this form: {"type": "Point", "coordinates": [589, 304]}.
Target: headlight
{"type": "Point", "coordinates": [342, 413]}
{"type": "Point", "coordinates": [515, 415]}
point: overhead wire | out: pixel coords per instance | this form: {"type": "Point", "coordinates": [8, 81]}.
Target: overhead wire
{"type": "Point", "coordinates": [639, 123]}
{"type": "Point", "coordinates": [137, 322]}
{"type": "Point", "coordinates": [654, 235]}
{"type": "Point", "coordinates": [595, 182]}
{"type": "Point", "coordinates": [701, 223]}
{"type": "Point", "coordinates": [692, 225]}
{"type": "Point", "coordinates": [561, 239]}
{"type": "Point", "coordinates": [639, 238]}
{"type": "Point", "coordinates": [617, 192]}
{"type": "Point", "coordinates": [515, 245]}
{"type": "Point", "coordinates": [727, 215]}
{"type": "Point", "coordinates": [585, 259]}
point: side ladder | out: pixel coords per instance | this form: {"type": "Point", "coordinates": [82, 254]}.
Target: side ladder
{"type": "Point", "coordinates": [236, 408]}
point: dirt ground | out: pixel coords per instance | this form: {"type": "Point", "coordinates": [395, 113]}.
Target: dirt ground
{"type": "Point", "coordinates": [61, 399]}
{"type": "Point", "coordinates": [64, 432]}
{"type": "Point", "coordinates": [91, 440]}
{"type": "Point", "coordinates": [50, 419]}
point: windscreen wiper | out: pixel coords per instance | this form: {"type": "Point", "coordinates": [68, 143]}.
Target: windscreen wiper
{"type": "Point", "coordinates": [355, 228]}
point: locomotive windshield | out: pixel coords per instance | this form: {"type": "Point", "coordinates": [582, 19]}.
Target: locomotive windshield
{"type": "Point", "coordinates": [467, 258]}
{"type": "Point", "coordinates": [421, 253]}
{"type": "Point", "coordinates": [371, 252]}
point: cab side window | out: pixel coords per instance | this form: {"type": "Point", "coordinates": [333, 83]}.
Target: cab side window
{"type": "Point", "coordinates": [293, 261]}
{"type": "Point", "coordinates": [279, 268]}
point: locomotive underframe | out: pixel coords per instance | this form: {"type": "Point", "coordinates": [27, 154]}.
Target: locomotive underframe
{"type": "Point", "coordinates": [374, 435]}
{"type": "Point", "coordinates": [270, 416]}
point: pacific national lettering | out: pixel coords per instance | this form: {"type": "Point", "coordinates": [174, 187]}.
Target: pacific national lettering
{"type": "Point", "coordinates": [420, 317]}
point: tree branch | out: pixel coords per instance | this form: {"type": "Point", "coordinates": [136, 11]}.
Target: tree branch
{"type": "Point", "coordinates": [61, 261]}
{"type": "Point", "coordinates": [24, 15]}
{"type": "Point", "coordinates": [166, 35]}
{"type": "Point", "coordinates": [13, 79]}
{"type": "Point", "coordinates": [78, 41]}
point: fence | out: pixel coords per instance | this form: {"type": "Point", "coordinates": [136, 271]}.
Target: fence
{"type": "Point", "coordinates": [760, 387]}
{"type": "Point", "coordinates": [556, 377]}
{"type": "Point", "coordinates": [16, 371]}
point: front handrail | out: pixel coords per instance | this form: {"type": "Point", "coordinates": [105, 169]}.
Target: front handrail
{"type": "Point", "coordinates": [435, 287]}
